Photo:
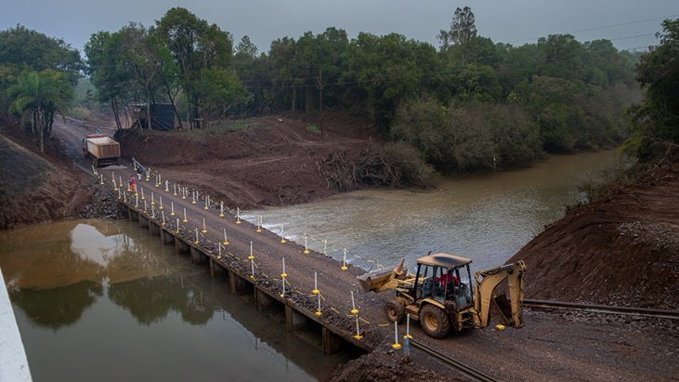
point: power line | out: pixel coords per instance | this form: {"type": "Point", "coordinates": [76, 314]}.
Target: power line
{"type": "Point", "coordinates": [604, 27]}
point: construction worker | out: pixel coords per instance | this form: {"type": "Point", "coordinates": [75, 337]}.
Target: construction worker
{"type": "Point", "coordinates": [132, 184]}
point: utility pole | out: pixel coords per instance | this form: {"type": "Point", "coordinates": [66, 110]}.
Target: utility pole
{"type": "Point", "coordinates": [320, 91]}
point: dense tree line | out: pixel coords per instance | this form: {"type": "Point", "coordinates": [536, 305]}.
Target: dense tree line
{"type": "Point", "coordinates": [467, 104]}
{"type": "Point", "coordinates": [656, 119]}
{"type": "Point", "coordinates": [37, 75]}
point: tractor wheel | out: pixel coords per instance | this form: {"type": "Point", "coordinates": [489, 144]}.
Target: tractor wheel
{"type": "Point", "coordinates": [395, 311]}
{"type": "Point", "coordinates": [435, 322]}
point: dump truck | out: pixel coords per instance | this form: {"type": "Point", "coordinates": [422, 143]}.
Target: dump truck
{"type": "Point", "coordinates": [442, 296]}
{"type": "Point", "coordinates": [103, 150]}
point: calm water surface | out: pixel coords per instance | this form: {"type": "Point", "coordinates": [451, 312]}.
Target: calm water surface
{"type": "Point", "coordinates": [105, 301]}
{"type": "Point", "coordinates": [485, 217]}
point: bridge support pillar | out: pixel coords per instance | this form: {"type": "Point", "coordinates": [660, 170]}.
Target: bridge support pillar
{"type": "Point", "coordinates": [216, 270]}
{"type": "Point", "coordinates": [263, 300]}
{"type": "Point", "coordinates": [332, 343]}
{"type": "Point", "coordinates": [180, 246]}
{"type": "Point", "coordinates": [293, 319]}
{"type": "Point", "coordinates": [238, 285]}
{"type": "Point", "coordinates": [166, 237]}
{"type": "Point", "coordinates": [154, 228]}
{"type": "Point", "coordinates": [198, 257]}
{"type": "Point", "coordinates": [143, 221]}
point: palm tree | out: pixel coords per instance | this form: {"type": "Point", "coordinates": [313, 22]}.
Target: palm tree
{"type": "Point", "coordinates": [42, 94]}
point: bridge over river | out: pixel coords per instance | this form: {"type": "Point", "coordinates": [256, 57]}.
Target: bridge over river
{"type": "Point", "coordinates": [318, 289]}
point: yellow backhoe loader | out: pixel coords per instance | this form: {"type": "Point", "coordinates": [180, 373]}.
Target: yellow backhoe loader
{"type": "Point", "coordinates": [440, 295]}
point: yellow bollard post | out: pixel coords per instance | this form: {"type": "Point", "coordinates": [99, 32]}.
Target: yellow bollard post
{"type": "Point", "coordinates": [306, 244]}
{"type": "Point", "coordinates": [408, 336]}
{"type": "Point", "coordinates": [283, 241]}
{"type": "Point", "coordinates": [315, 291]}
{"type": "Point", "coordinates": [283, 277]}
{"type": "Point", "coordinates": [344, 261]}
{"type": "Point", "coordinates": [354, 310]}
{"type": "Point", "coordinates": [396, 345]}
{"type": "Point", "coordinates": [259, 224]}
{"type": "Point", "coordinates": [318, 311]}
{"type": "Point", "coordinates": [252, 269]}
{"type": "Point", "coordinates": [252, 254]}
{"type": "Point", "coordinates": [358, 335]}
{"type": "Point", "coordinates": [226, 239]}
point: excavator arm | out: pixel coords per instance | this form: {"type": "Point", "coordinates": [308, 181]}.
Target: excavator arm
{"type": "Point", "coordinates": [486, 283]}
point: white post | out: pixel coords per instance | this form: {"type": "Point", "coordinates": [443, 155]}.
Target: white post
{"type": "Point", "coordinates": [252, 268]}
{"type": "Point", "coordinates": [167, 186]}
{"type": "Point", "coordinates": [142, 194]}
{"type": "Point", "coordinates": [237, 215]}
{"type": "Point", "coordinates": [171, 208]}
{"type": "Point", "coordinates": [353, 311]}
{"type": "Point", "coordinates": [207, 201]}
{"type": "Point", "coordinates": [226, 239]}
{"type": "Point", "coordinates": [161, 202]}
{"type": "Point", "coordinates": [283, 277]}
{"type": "Point", "coordinates": [185, 219]}
{"type": "Point", "coordinates": [163, 215]}
{"type": "Point", "coordinates": [219, 245]}
{"type": "Point", "coordinates": [136, 200]}
{"type": "Point", "coordinates": [204, 231]}
{"type": "Point", "coordinates": [174, 187]}
{"type": "Point", "coordinates": [177, 225]}
{"type": "Point", "coordinates": [120, 195]}
{"type": "Point", "coordinates": [196, 235]}
{"type": "Point", "coordinates": [153, 200]}
{"type": "Point", "coordinates": [283, 241]}
{"type": "Point", "coordinates": [315, 291]}
{"type": "Point", "coordinates": [306, 244]}
{"type": "Point", "coordinates": [144, 206]}
{"type": "Point", "coordinates": [221, 209]}
{"type": "Point", "coordinates": [325, 247]}
{"type": "Point", "coordinates": [252, 256]}
{"type": "Point", "coordinates": [120, 181]}
{"type": "Point", "coordinates": [101, 178]}
{"type": "Point", "coordinates": [344, 261]}
{"type": "Point", "coordinates": [318, 312]}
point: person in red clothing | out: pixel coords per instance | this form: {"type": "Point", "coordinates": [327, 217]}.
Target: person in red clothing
{"type": "Point", "coordinates": [132, 184]}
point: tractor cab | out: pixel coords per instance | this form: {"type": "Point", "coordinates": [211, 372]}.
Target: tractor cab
{"type": "Point", "coordinates": [443, 277]}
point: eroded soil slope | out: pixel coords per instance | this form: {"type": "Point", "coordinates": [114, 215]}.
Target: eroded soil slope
{"type": "Point", "coordinates": [620, 250]}
{"type": "Point", "coordinates": [255, 162]}
{"type": "Point", "coordinates": [34, 189]}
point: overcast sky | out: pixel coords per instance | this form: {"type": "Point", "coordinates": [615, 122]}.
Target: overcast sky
{"type": "Point", "coordinates": [630, 24]}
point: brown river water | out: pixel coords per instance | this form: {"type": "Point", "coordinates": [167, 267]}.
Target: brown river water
{"type": "Point", "coordinates": [105, 301]}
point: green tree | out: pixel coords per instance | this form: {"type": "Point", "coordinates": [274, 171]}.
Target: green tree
{"type": "Point", "coordinates": [194, 45]}
{"type": "Point", "coordinates": [657, 118]}
{"type": "Point", "coordinates": [462, 29]}
{"type": "Point", "coordinates": [42, 94]}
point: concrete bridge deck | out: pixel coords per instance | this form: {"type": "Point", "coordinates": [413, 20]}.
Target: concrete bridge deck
{"type": "Point", "coordinates": [269, 250]}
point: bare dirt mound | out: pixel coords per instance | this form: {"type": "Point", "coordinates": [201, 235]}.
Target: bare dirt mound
{"type": "Point", "coordinates": [253, 162]}
{"type": "Point", "coordinates": [33, 189]}
{"type": "Point", "coordinates": [620, 250]}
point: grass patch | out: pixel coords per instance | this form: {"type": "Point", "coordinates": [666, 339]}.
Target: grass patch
{"type": "Point", "coordinates": [313, 128]}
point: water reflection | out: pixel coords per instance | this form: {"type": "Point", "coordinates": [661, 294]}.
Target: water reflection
{"type": "Point", "coordinates": [93, 298]}
{"type": "Point", "coordinates": [58, 307]}
{"type": "Point", "coordinates": [150, 300]}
